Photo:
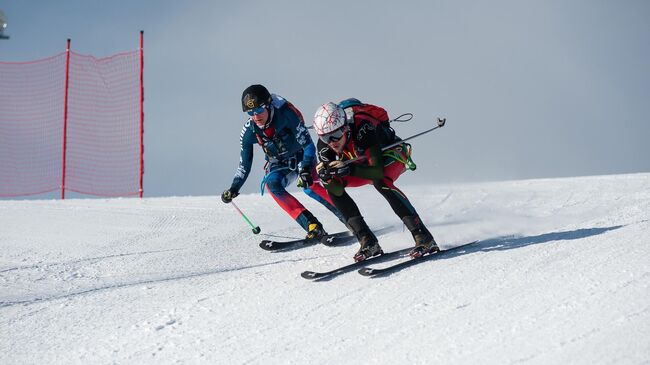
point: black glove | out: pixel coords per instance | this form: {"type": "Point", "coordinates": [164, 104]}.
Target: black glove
{"type": "Point", "coordinates": [334, 170]}
{"type": "Point", "coordinates": [228, 195]}
{"type": "Point", "coordinates": [304, 177]}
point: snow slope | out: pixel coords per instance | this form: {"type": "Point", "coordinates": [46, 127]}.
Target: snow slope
{"type": "Point", "coordinates": [561, 275]}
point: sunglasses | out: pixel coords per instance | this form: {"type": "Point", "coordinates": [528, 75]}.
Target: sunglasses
{"type": "Point", "coordinates": [333, 136]}
{"type": "Point", "coordinates": [258, 110]}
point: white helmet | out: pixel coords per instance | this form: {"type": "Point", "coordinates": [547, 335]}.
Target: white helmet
{"type": "Point", "coordinates": [328, 118]}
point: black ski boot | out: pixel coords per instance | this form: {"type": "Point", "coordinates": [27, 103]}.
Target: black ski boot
{"type": "Point", "coordinates": [313, 227]}
{"type": "Point", "coordinates": [424, 242]}
{"type": "Point", "coordinates": [316, 231]}
{"type": "Point", "coordinates": [369, 244]}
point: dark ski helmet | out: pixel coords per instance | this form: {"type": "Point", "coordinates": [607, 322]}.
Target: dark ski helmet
{"type": "Point", "coordinates": [255, 96]}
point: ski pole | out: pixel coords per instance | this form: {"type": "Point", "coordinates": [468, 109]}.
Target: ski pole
{"type": "Point", "coordinates": [256, 229]}
{"type": "Point", "coordinates": [441, 123]}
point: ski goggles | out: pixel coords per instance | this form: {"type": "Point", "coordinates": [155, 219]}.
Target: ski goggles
{"type": "Point", "coordinates": [258, 110]}
{"type": "Point", "coordinates": [334, 136]}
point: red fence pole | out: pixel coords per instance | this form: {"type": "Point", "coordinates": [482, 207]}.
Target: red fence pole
{"type": "Point", "coordinates": [65, 117]}
{"type": "Point", "coordinates": [141, 112]}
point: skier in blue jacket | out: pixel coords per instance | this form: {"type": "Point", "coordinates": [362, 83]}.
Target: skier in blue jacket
{"type": "Point", "coordinates": [279, 128]}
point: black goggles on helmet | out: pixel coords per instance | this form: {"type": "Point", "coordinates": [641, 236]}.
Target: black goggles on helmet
{"type": "Point", "coordinates": [334, 136]}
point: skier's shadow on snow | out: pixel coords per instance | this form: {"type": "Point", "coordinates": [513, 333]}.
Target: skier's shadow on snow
{"type": "Point", "coordinates": [512, 242]}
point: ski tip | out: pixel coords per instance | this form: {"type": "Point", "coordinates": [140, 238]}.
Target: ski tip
{"type": "Point", "coordinates": [267, 245]}
{"type": "Point", "coordinates": [308, 274]}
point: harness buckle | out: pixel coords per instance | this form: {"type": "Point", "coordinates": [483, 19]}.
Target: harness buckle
{"type": "Point", "coordinates": [292, 164]}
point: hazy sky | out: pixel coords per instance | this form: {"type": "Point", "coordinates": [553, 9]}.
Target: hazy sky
{"type": "Point", "coordinates": [529, 88]}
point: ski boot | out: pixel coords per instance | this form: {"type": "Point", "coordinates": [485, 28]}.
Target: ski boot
{"type": "Point", "coordinates": [424, 242]}
{"type": "Point", "coordinates": [315, 231]}
{"type": "Point", "coordinates": [369, 244]}
{"type": "Point", "coordinates": [313, 227]}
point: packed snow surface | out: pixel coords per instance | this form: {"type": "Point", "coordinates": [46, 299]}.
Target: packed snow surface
{"type": "Point", "coordinates": [561, 274]}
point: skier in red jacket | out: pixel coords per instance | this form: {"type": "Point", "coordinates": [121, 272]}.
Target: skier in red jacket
{"type": "Point", "coordinates": [346, 135]}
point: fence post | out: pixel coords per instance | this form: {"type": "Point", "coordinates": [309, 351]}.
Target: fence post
{"type": "Point", "coordinates": [65, 117]}
{"type": "Point", "coordinates": [141, 112]}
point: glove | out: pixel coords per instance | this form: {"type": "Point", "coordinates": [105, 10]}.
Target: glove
{"type": "Point", "coordinates": [228, 195]}
{"type": "Point", "coordinates": [304, 177]}
{"type": "Point", "coordinates": [320, 166]}
{"type": "Point", "coordinates": [322, 171]}
{"type": "Point", "coordinates": [335, 169]}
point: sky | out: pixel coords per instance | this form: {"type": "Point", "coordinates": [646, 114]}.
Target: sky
{"type": "Point", "coordinates": [529, 89]}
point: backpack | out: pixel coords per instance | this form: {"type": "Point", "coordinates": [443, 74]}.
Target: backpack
{"type": "Point", "coordinates": [377, 115]}
{"type": "Point", "coordinates": [379, 118]}
{"type": "Point", "coordinates": [353, 106]}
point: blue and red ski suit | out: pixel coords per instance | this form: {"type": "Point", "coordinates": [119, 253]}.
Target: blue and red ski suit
{"type": "Point", "coordinates": [288, 148]}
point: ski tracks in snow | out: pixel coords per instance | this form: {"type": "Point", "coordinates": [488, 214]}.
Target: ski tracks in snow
{"type": "Point", "coordinates": [73, 292]}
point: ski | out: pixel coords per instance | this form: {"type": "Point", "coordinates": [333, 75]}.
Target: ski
{"type": "Point", "coordinates": [369, 271]}
{"type": "Point", "coordinates": [333, 239]}
{"type": "Point", "coordinates": [311, 275]}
